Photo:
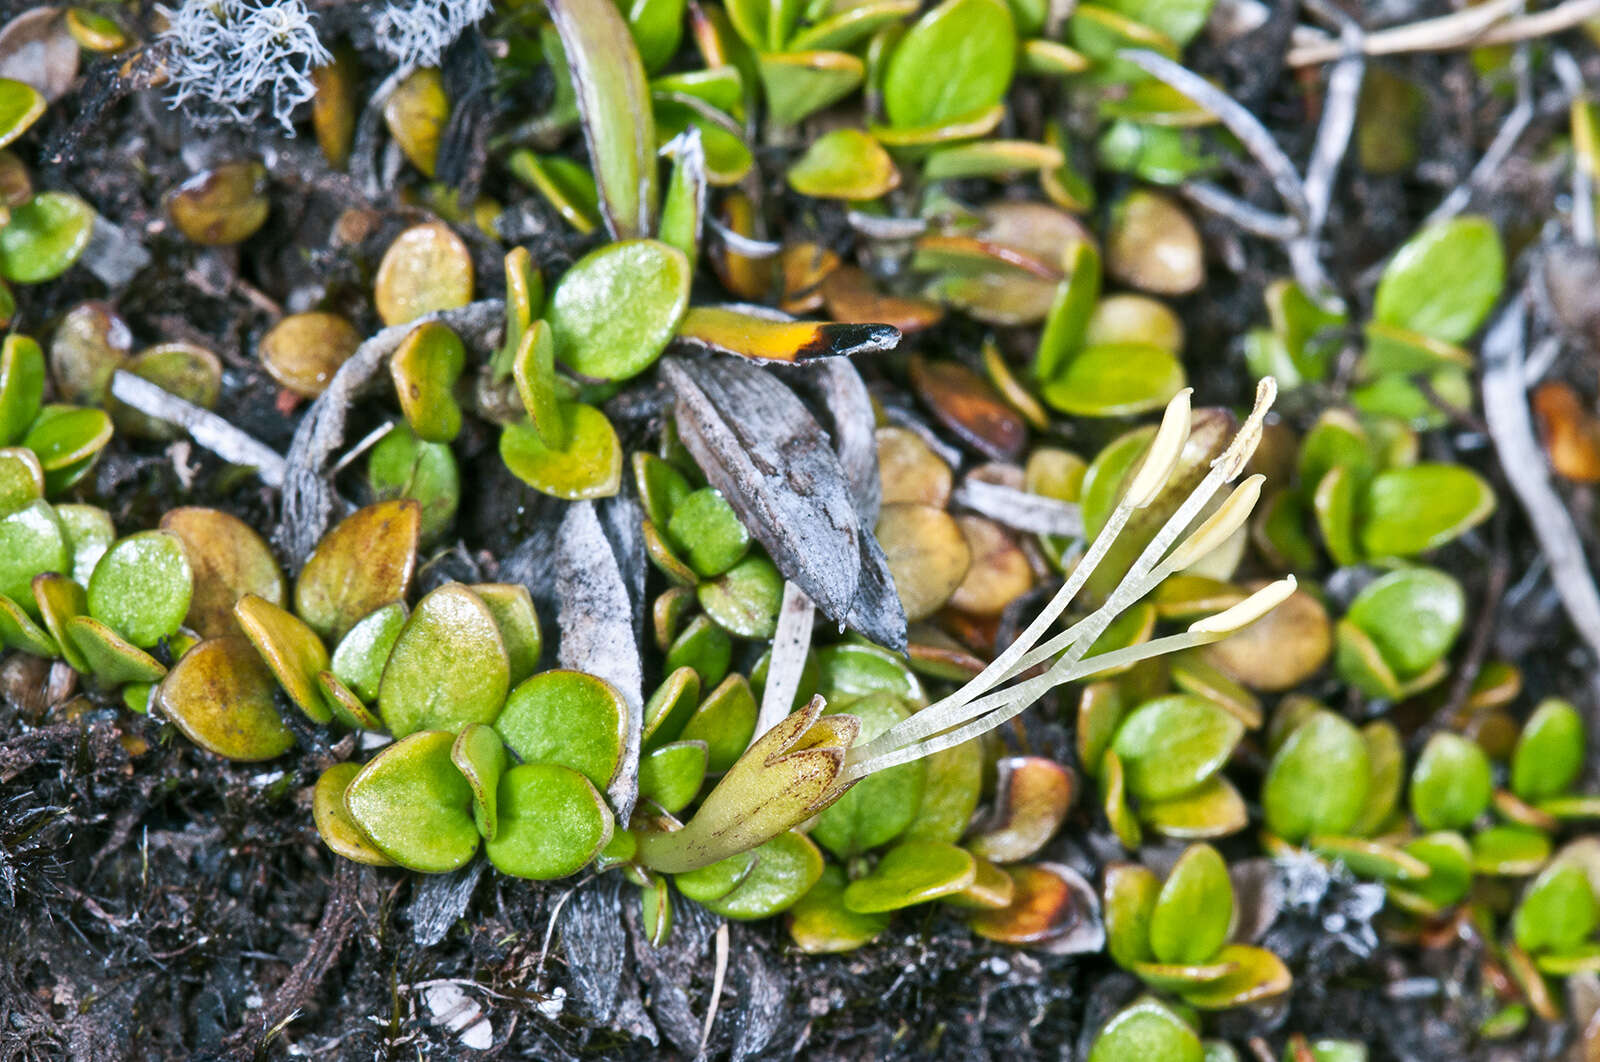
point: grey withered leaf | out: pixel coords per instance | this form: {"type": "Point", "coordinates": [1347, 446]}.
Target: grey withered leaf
{"type": "Point", "coordinates": [594, 615]}
{"type": "Point", "coordinates": [760, 447]}
{"type": "Point", "coordinates": [841, 397]}
{"type": "Point", "coordinates": [877, 611]}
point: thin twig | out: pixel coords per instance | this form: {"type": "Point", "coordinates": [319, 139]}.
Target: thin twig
{"type": "Point", "coordinates": [1460, 29]}
{"type": "Point", "coordinates": [1505, 407]}
{"type": "Point", "coordinates": [1338, 122]}
{"type": "Point", "coordinates": [207, 429]}
{"type": "Point", "coordinates": [718, 979]}
{"type": "Point", "coordinates": [1246, 216]}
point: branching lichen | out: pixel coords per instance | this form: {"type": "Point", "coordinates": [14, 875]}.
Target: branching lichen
{"type": "Point", "coordinates": [417, 33]}
{"type": "Point", "coordinates": [240, 60]}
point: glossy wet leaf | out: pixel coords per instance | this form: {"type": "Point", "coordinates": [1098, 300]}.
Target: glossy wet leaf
{"type": "Point", "coordinates": [725, 721]}
{"type": "Point", "coordinates": [534, 368]}
{"type": "Point", "coordinates": [1386, 770]}
{"type": "Point", "coordinates": [671, 774]}
{"type": "Point", "coordinates": [615, 309]}
{"type": "Point", "coordinates": [364, 563]}
{"type": "Point", "coordinates": [59, 600]}
{"type": "Point", "coordinates": [1215, 809]}
{"type": "Point", "coordinates": [1449, 862]}
{"type": "Point", "coordinates": [745, 599]}
{"type": "Point", "coordinates": [1115, 380]}
{"type": "Point", "coordinates": [403, 466]}
{"type": "Point", "coordinates": [956, 60]}
{"type": "Point", "coordinates": [416, 112]}
{"type": "Point", "coordinates": [1412, 510]}
{"type": "Point", "coordinates": [1172, 744]}
{"type": "Point", "coordinates": [880, 806]}
{"type": "Point", "coordinates": [844, 164]}
{"type": "Point", "coordinates": [1130, 900]}
{"type": "Point", "coordinates": [359, 658]}
{"type": "Point", "coordinates": [707, 533]}
{"type": "Point", "coordinates": [221, 696]}
{"type": "Point", "coordinates": [334, 824]}
{"type": "Point", "coordinates": [1194, 909]}
{"type": "Point", "coordinates": [223, 205]}
{"type": "Point", "coordinates": [661, 487]}
{"type": "Point", "coordinates": [590, 465]}
{"type": "Point", "coordinates": [20, 106]}
{"type": "Point", "coordinates": [67, 440]}
{"type": "Point", "coordinates": [1557, 912]}
{"type": "Point", "coordinates": [1513, 851]}
{"type": "Point", "coordinates": [1147, 1031]}
{"type": "Point", "coordinates": [426, 268]}
{"type": "Point", "coordinates": [716, 880]}
{"type": "Point", "coordinates": [111, 659]}
{"type": "Point", "coordinates": [1444, 280]}
{"type": "Point", "coordinates": [44, 237]}
{"type": "Point", "coordinates": [348, 708]}
{"type": "Point", "coordinates": [613, 97]}
{"type": "Point", "coordinates": [21, 386]}
{"type": "Point", "coordinates": [448, 667]}
{"type": "Point", "coordinates": [291, 650]}
{"type": "Point", "coordinates": [1549, 752]}
{"type": "Point", "coordinates": [480, 756]}
{"type": "Point", "coordinates": [703, 646]}
{"type": "Point", "coordinates": [567, 718]}
{"type": "Point", "coordinates": [1153, 246]}
{"type": "Point", "coordinates": [1051, 907]}
{"type": "Point", "coordinates": [798, 84]}
{"type": "Point", "coordinates": [228, 560]}
{"type": "Point", "coordinates": [1413, 616]}
{"type": "Point", "coordinates": [910, 873]}
{"type": "Point", "coordinates": [951, 789]}
{"type": "Point", "coordinates": [425, 368]}
{"type": "Point", "coordinates": [820, 923]}
{"type": "Point", "coordinates": [786, 867]}
{"type": "Point", "coordinates": [142, 586]}
{"type": "Point", "coordinates": [566, 184]}
{"type": "Point", "coordinates": [1317, 781]}
{"type": "Point", "coordinates": [1259, 975]}
{"type": "Point", "coordinates": [416, 807]}
{"type": "Point", "coordinates": [1451, 783]}
{"type": "Point", "coordinates": [1032, 795]}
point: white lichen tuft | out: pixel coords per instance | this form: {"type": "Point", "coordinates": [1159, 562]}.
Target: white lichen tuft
{"type": "Point", "coordinates": [417, 33]}
{"type": "Point", "coordinates": [239, 60]}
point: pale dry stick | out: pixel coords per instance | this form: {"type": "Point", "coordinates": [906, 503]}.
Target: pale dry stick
{"type": "Point", "coordinates": [718, 978]}
{"type": "Point", "coordinates": [205, 427]}
{"type": "Point", "coordinates": [1456, 30]}
{"type": "Point", "coordinates": [1505, 407]}
{"type": "Point", "coordinates": [790, 645]}
{"type": "Point", "coordinates": [1583, 149]}
{"type": "Point", "coordinates": [1247, 216]}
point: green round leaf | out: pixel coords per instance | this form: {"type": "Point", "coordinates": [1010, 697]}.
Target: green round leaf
{"type": "Point", "coordinates": [334, 824]}
{"type": "Point", "coordinates": [955, 60]}
{"type": "Point", "coordinates": [745, 599]}
{"type": "Point", "coordinates": [512, 608]}
{"type": "Point", "coordinates": [403, 466]}
{"type": "Point", "coordinates": [228, 559]}
{"type": "Point", "coordinates": [786, 868]}
{"type": "Point", "coordinates": [1172, 744]}
{"type": "Point", "coordinates": [881, 805]}
{"type": "Point", "coordinates": [415, 806]}
{"type": "Point", "coordinates": [725, 721]}
{"type": "Point", "coordinates": [798, 84]}
{"type": "Point", "coordinates": [424, 369]}
{"type": "Point", "coordinates": [44, 237]}
{"type": "Point", "coordinates": [1511, 851]}
{"type": "Point", "coordinates": [844, 164]}
{"type": "Point", "coordinates": [142, 586]}
{"type": "Point", "coordinates": [221, 696]}
{"type": "Point", "coordinates": [1130, 901]}
{"type": "Point", "coordinates": [910, 873]}
{"type": "Point", "coordinates": [1549, 753]}
{"type": "Point", "coordinates": [1444, 280]}
{"type": "Point", "coordinates": [480, 756]}
{"type": "Point", "coordinates": [1194, 910]}
{"type": "Point", "coordinates": [1557, 912]}
{"type": "Point", "coordinates": [32, 541]}
{"type": "Point", "coordinates": [1317, 781]}
{"type": "Point", "coordinates": [21, 386]}
{"type": "Point", "coordinates": [820, 923]}
{"type": "Point", "coordinates": [706, 532]}
{"type": "Point", "coordinates": [1449, 861]}
{"type": "Point", "coordinates": [1259, 975]}
{"type": "Point", "coordinates": [569, 718]}
{"type": "Point", "coordinates": [703, 646]}
{"type": "Point", "coordinates": [1147, 1031]}
{"type": "Point", "coordinates": [589, 467]}
{"type": "Point", "coordinates": [616, 308]}
{"type": "Point", "coordinates": [291, 650]}
{"type": "Point", "coordinates": [671, 775]}
{"type": "Point", "coordinates": [1413, 616]}
{"type": "Point", "coordinates": [1115, 380]}
{"type": "Point", "coordinates": [20, 106]}
{"type": "Point", "coordinates": [359, 658]}
{"type": "Point", "coordinates": [1412, 510]}
{"type": "Point", "coordinates": [364, 563]}
{"type": "Point", "coordinates": [1451, 784]}
{"type": "Point", "coordinates": [448, 667]}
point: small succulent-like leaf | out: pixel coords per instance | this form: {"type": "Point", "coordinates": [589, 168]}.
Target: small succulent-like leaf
{"type": "Point", "coordinates": [615, 309]}
{"type": "Point", "coordinates": [1386, 776]}
{"type": "Point", "coordinates": [956, 60]}
{"type": "Point", "coordinates": [589, 466]}
{"type": "Point", "coordinates": [480, 756]}
{"type": "Point", "coordinates": [426, 268]}
{"type": "Point", "coordinates": [334, 824]}
{"type": "Point", "coordinates": [511, 605]}
{"type": "Point", "coordinates": [534, 367]}
{"type": "Point", "coordinates": [1130, 900]}
{"type": "Point", "coordinates": [746, 598]}
{"type": "Point", "coordinates": [725, 721]}
{"type": "Point", "coordinates": [1114, 801]}
{"type": "Point", "coordinates": [291, 650]}
{"type": "Point", "coordinates": [44, 237]}
{"type": "Point", "coordinates": [224, 205]}
{"type": "Point", "coordinates": [1147, 1031]}
{"type": "Point", "coordinates": [1413, 616]}
{"type": "Point", "coordinates": [364, 563]}
{"type": "Point", "coordinates": [1194, 909]}
{"type": "Point", "coordinates": [991, 889]}
{"type": "Point", "coordinates": [21, 479]}
{"type": "Point", "coordinates": [661, 486]}
{"type": "Point", "coordinates": [821, 924]}
{"type": "Point", "coordinates": [1317, 781]}
{"type": "Point", "coordinates": [416, 112]}
{"type": "Point", "coordinates": [303, 350]}
{"type": "Point", "coordinates": [1444, 280]}
{"type": "Point", "coordinates": [844, 164]}
{"type": "Point", "coordinates": [613, 97]}
{"type": "Point", "coordinates": [786, 867]}
{"type": "Point", "coordinates": [798, 84]}
{"type": "Point", "coordinates": [1451, 784]}
{"type": "Point", "coordinates": [1259, 975]}
{"type": "Point", "coordinates": [20, 106]}
{"type": "Point", "coordinates": [1175, 977]}
{"type": "Point", "coordinates": [415, 806]}
{"type": "Point", "coordinates": [1032, 795]}
{"type": "Point", "coordinates": [568, 718]}
{"type": "Point", "coordinates": [1549, 752]}
{"type": "Point", "coordinates": [1557, 912]}
{"type": "Point", "coordinates": [703, 646]}
{"type": "Point", "coordinates": [403, 466]}
{"type": "Point", "coordinates": [21, 386]}
{"type": "Point", "coordinates": [18, 631]}
{"type": "Point", "coordinates": [670, 706]}
{"type": "Point", "coordinates": [347, 707]}
{"type": "Point", "coordinates": [112, 659]}
{"type": "Point", "coordinates": [221, 696]}
{"type": "Point", "coordinates": [32, 541]}
{"type": "Point", "coordinates": [1052, 907]}
{"type": "Point", "coordinates": [951, 789]}
{"type": "Point", "coordinates": [448, 667]}
{"type": "Point", "coordinates": [59, 600]}
{"type": "Point", "coordinates": [425, 368]}
{"type": "Point", "coordinates": [1213, 810]}
{"type": "Point", "coordinates": [1412, 510]}
{"type": "Point", "coordinates": [707, 533]}
{"type": "Point", "coordinates": [1510, 850]}
{"type": "Point", "coordinates": [1171, 745]}
{"type": "Point", "coordinates": [671, 775]}
{"type": "Point", "coordinates": [142, 586]}
{"type": "Point", "coordinates": [359, 658]}
{"type": "Point", "coordinates": [1370, 859]}
{"type": "Point", "coordinates": [228, 560]}
{"type": "Point", "coordinates": [1449, 861]}
{"type": "Point", "coordinates": [910, 873]}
